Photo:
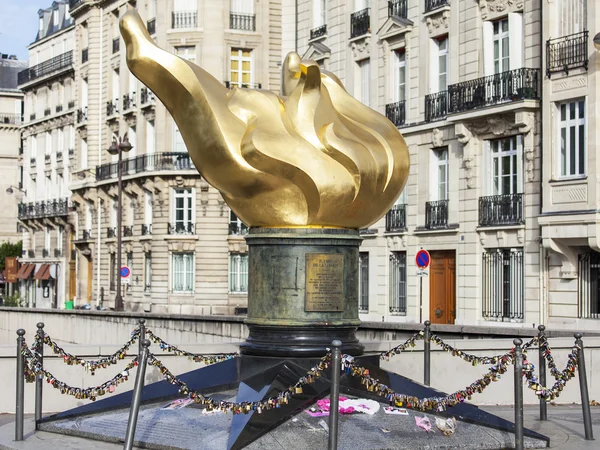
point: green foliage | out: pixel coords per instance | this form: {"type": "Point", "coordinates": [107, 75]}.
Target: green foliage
{"type": "Point", "coordinates": [13, 300]}
{"type": "Point", "coordinates": [8, 249]}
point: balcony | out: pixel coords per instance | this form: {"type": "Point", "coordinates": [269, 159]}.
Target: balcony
{"type": "Point", "coordinates": [146, 229]}
{"type": "Point", "coordinates": [71, 104]}
{"type": "Point", "coordinates": [237, 228]}
{"type": "Point", "coordinates": [47, 112]}
{"type": "Point", "coordinates": [360, 22]}
{"type": "Point", "coordinates": [45, 208]}
{"type": "Point", "coordinates": [59, 108]}
{"type": "Point", "coordinates": [32, 162]}
{"type": "Point", "coordinates": [128, 231]}
{"type": "Point", "coordinates": [45, 253]}
{"type": "Point", "coordinates": [395, 219]}
{"type": "Point", "coordinates": [566, 53]}
{"type": "Point", "coordinates": [129, 101]}
{"type": "Point", "coordinates": [82, 115]}
{"type": "Point", "coordinates": [84, 55]}
{"type": "Point", "coordinates": [111, 232]}
{"type": "Point", "coordinates": [436, 106]}
{"type": "Point", "coordinates": [53, 65]}
{"type": "Point", "coordinates": [59, 156]}
{"type": "Point", "coordinates": [151, 26]}
{"type": "Point", "coordinates": [31, 253]}
{"type": "Point", "coordinates": [86, 235]}
{"type": "Point", "coordinates": [431, 5]}
{"type": "Point", "coordinates": [510, 86]}
{"type": "Point", "coordinates": [436, 215]}
{"type": "Point", "coordinates": [246, 22]}
{"type": "Point", "coordinates": [396, 113]}
{"type": "Point", "coordinates": [32, 116]}
{"type": "Point", "coordinates": [397, 8]}
{"type": "Point", "coordinates": [115, 45]}
{"type": "Point", "coordinates": [182, 228]}
{"type": "Point", "coordinates": [12, 119]}
{"type": "Point", "coordinates": [234, 84]}
{"type": "Point", "coordinates": [71, 153]}
{"type": "Point", "coordinates": [112, 108]}
{"type": "Point", "coordinates": [498, 210]}
{"type": "Point", "coordinates": [146, 163]}
{"type": "Point", "coordinates": [58, 252]}
{"type": "Point", "coordinates": [146, 97]}
{"type": "Point", "coordinates": [47, 158]}
{"type": "Point", "coordinates": [318, 32]}
{"type": "Point", "coordinates": [184, 19]}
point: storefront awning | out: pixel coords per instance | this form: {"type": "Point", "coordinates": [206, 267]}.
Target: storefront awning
{"type": "Point", "coordinates": [43, 273]}
{"type": "Point", "coordinates": [25, 271]}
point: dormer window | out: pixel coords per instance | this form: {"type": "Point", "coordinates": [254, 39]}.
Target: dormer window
{"type": "Point", "coordinates": [55, 17]}
{"type": "Point", "coordinates": [41, 24]}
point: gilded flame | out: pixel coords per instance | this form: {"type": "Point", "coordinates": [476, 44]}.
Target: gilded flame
{"type": "Point", "coordinates": [314, 156]}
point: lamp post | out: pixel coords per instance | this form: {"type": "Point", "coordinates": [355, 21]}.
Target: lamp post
{"type": "Point", "coordinates": [117, 148]}
{"type": "Point", "coordinates": [597, 41]}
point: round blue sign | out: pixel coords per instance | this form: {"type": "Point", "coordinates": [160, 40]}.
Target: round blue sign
{"type": "Point", "coordinates": [125, 272]}
{"type": "Point", "coordinates": [423, 259]}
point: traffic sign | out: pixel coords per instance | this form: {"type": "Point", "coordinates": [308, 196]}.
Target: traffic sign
{"type": "Point", "coordinates": [423, 259]}
{"type": "Point", "coordinates": [125, 272]}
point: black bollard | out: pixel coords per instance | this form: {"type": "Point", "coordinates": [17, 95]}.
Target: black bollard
{"type": "Point", "coordinates": [583, 387]}
{"type": "Point", "coordinates": [518, 362]}
{"type": "Point", "coordinates": [39, 380]}
{"type": "Point", "coordinates": [19, 409]}
{"type": "Point", "coordinates": [334, 399]}
{"type": "Point", "coordinates": [542, 366]}
{"type": "Point", "coordinates": [137, 395]}
{"type": "Point", "coordinates": [427, 354]}
{"type": "Point", "coordinates": [142, 335]}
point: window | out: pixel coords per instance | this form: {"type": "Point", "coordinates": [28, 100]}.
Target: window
{"type": "Point", "coordinates": [588, 286]}
{"type": "Point", "coordinates": [84, 93]}
{"type": "Point", "coordinates": [55, 17]}
{"type": "Point", "coordinates": [47, 238]}
{"type": "Point", "coordinates": [442, 64]}
{"type": "Point", "coordinates": [503, 284]}
{"type": "Point", "coordinates": [116, 87]}
{"type": "Point", "coordinates": [147, 271]}
{"type": "Point", "coordinates": [41, 24]}
{"type": "Point", "coordinates": [242, 6]}
{"type": "Point", "coordinates": [60, 234]}
{"type": "Point", "coordinates": [61, 140]}
{"type": "Point", "coordinates": [399, 83]}
{"type": "Point", "coordinates": [178, 144]}
{"type": "Point", "coordinates": [88, 217]}
{"type": "Point", "coordinates": [182, 275]}
{"type": "Point", "coordinates": [48, 143]}
{"type": "Point", "coordinates": [148, 209]}
{"type": "Point", "coordinates": [183, 209]}
{"type": "Point", "coordinates": [439, 175]}
{"type": "Point", "coordinates": [571, 16]}
{"type": "Point", "coordinates": [363, 282]}
{"type": "Point", "coordinates": [84, 154]}
{"type": "Point", "coordinates": [572, 138]}
{"type": "Point", "coordinates": [186, 52]}
{"type": "Point", "coordinates": [505, 176]}
{"type": "Point", "coordinates": [236, 226]}
{"type": "Point", "coordinates": [398, 283]}
{"type": "Point", "coordinates": [113, 214]}
{"type": "Point", "coordinates": [359, 5]}
{"type": "Point", "coordinates": [364, 78]}
{"type": "Point", "coordinates": [240, 73]}
{"type": "Point", "coordinates": [132, 136]}
{"type": "Point", "coordinates": [150, 141]}
{"type": "Point", "coordinates": [112, 272]}
{"type": "Point", "coordinates": [129, 263]}
{"type": "Point", "coordinates": [238, 273]}
{"type": "Point", "coordinates": [319, 13]}
{"type": "Point", "coordinates": [501, 46]}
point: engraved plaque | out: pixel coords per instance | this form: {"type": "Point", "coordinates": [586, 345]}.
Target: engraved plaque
{"type": "Point", "coordinates": [324, 282]}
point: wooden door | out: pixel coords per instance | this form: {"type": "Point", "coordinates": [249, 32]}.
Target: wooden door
{"type": "Point", "coordinates": [442, 287]}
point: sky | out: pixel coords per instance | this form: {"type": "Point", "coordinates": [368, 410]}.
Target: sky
{"type": "Point", "coordinates": [18, 25]}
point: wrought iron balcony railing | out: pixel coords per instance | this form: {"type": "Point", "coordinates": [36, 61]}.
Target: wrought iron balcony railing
{"type": "Point", "coordinates": [237, 228]}
{"type": "Point", "coordinates": [58, 252]}
{"type": "Point", "coordinates": [84, 55]}
{"type": "Point", "coordinates": [128, 231]}
{"type": "Point", "coordinates": [14, 119]}
{"type": "Point", "coordinates": [111, 232]}
{"type": "Point", "coordinates": [60, 62]}
{"type": "Point", "coordinates": [318, 32]}
{"type": "Point", "coordinates": [71, 104]}
{"type": "Point", "coordinates": [397, 8]}
{"type": "Point", "coordinates": [145, 163]}
{"type": "Point", "coordinates": [71, 153]}
{"type": "Point", "coordinates": [151, 26]}
{"type": "Point", "coordinates": [184, 19]}
{"type": "Point", "coordinates": [396, 113]}
{"type": "Point", "coordinates": [45, 252]}
{"type": "Point", "coordinates": [395, 219]}
{"type": "Point", "coordinates": [32, 162]}
{"type": "Point", "coordinates": [360, 22]}
{"type": "Point", "coordinates": [233, 84]}
{"type": "Point", "coordinates": [112, 108]}
{"type": "Point", "coordinates": [59, 108]}
{"type": "Point", "coordinates": [436, 214]}
{"type": "Point", "coordinates": [567, 52]}
{"type": "Point", "coordinates": [146, 229]}
{"type": "Point", "coordinates": [47, 112]}
{"type": "Point", "coordinates": [146, 96]}
{"type": "Point", "coordinates": [431, 5]}
{"type": "Point", "coordinates": [115, 45]}
{"type": "Point", "coordinates": [44, 208]}
{"type": "Point", "coordinates": [82, 115]}
{"type": "Point", "coordinates": [129, 101]}
{"type": "Point", "coordinates": [436, 106]}
{"type": "Point", "coordinates": [31, 253]}
{"type": "Point", "coordinates": [501, 210]}
{"type": "Point", "coordinates": [32, 116]}
{"type": "Point", "coordinates": [47, 158]}
{"type": "Point", "coordinates": [513, 85]}
{"type": "Point", "coordinates": [59, 156]}
{"type": "Point", "coordinates": [246, 22]}
{"type": "Point", "coordinates": [182, 228]}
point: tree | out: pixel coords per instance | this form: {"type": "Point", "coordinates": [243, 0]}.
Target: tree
{"type": "Point", "coordinates": [8, 249]}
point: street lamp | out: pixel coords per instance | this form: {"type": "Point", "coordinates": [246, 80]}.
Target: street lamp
{"type": "Point", "coordinates": [10, 190]}
{"type": "Point", "coordinates": [597, 41]}
{"type": "Point", "coordinates": [117, 148]}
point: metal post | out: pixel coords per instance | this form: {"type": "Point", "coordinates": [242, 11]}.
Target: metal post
{"type": "Point", "coordinates": [336, 367]}
{"type": "Point", "coordinates": [19, 408]}
{"type": "Point", "coordinates": [137, 395]}
{"type": "Point", "coordinates": [542, 366]}
{"type": "Point", "coordinates": [518, 362]}
{"type": "Point", "coordinates": [39, 380]}
{"type": "Point", "coordinates": [427, 354]}
{"type": "Point", "coordinates": [420, 299]}
{"type": "Point", "coordinates": [142, 335]}
{"type": "Point", "coordinates": [119, 297]}
{"type": "Point", "coordinates": [583, 387]}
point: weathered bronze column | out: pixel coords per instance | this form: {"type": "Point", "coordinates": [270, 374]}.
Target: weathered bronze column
{"type": "Point", "coordinates": [302, 292]}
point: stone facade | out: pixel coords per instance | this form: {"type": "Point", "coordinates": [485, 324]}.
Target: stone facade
{"type": "Point", "coordinates": [185, 250]}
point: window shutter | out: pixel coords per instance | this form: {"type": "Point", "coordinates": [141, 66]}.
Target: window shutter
{"type": "Point", "coordinates": [434, 66]}
{"type": "Point", "coordinates": [487, 164]}
{"type": "Point", "coordinates": [488, 48]}
{"type": "Point", "coordinates": [520, 187]}
{"type": "Point", "coordinates": [515, 40]}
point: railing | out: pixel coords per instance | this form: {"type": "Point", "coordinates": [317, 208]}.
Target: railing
{"type": "Point", "coordinates": [360, 22]}
{"type": "Point", "coordinates": [146, 229]}
{"type": "Point", "coordinates": [59, 156]}
{"type": "Point", "coordinates": [436, 106]}
{"type": "Point", "coordinates": [430, 5]}
{"type": "Point", "coordinates": [151, 26]}
{"type": "Point", "coordinates": [47, 112]}
{"type": "Point", "coordinates": [501, 210]}
{"type": "Point", "coordinates": [513, 85]}
{"type": "Point", "coordinates": [59, 108]}
{"type": "Point", "coordinates": [71, 104]}
{"type": "Point", "coordinates": [111, 232]}
{"type": "Point", "coordinates": [32, 162]}
{"type": "Point", "coordinates": [45, 68]}
{"type": "Point", "coordinates": [503, 285]}
{"type": "Point", "coordinates": [396, 112]}
{"type": "Point", "coordinates": [182, 228]}
{"type": "Point", "coordinates": [397, 8]}
{"type": "Point", "coordinates": [45, 252]}
{"type": "Point", "coordinates": [86, 235]}
{"type": "Point", "coordinates": [233, 84]}
{"type": "Point", "coordinates": [45, 208]}
{"type": "Point", "coordinates": [588, 289]}
{"type": "Point", "coordinates": [31, 253]}
{"type": "Point", "coordinates": [129, 101]}
{"type": "Point", "coordinates": [84, 55]}
{"type": "Point", "coordinates": [32, 116]}
{"type": "Point", "coordinates": [239, 21]}
{"type": "Point", "coordinates": [71, 153]}
{"type": "Point", "coordinates": [436, 214]}
{"type": "Point", "coordinates": [144, 163]}
{"type": "Point", "coordinates": [395, 219]}
{"type": "Point", "coordinates": [74, 3]}
{"type": "Point", "coordinates": [14, 119]}
{"type": "Point", "coordinates": [146, 96]}
{"type": "Point", "coordinates": [58, 252]}
{"type": "Point", "coordinates": [237, 228]}
{"type": "Point", "coordinates": [567, 52]}
{"type": "Point", "coordinates": [115, 45]}
{"type": "Point", "coordinates": [82, 114]}
{"type": "Point", "coordinates": [47, 158]}
{"type": "Point", "coordinates": [318, 32]}
{"type": "Point", "coordinates": [397, 283]}
{"type": "Point", "coordinates": [112, 108]}
{"type": "Point", "coordinates": [128, 231]}
{"type": "Point", "coordinates": [184, 19]}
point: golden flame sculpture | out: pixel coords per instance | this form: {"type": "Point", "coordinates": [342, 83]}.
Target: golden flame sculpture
{"type": "Point", "coordinates": [314, 156]}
